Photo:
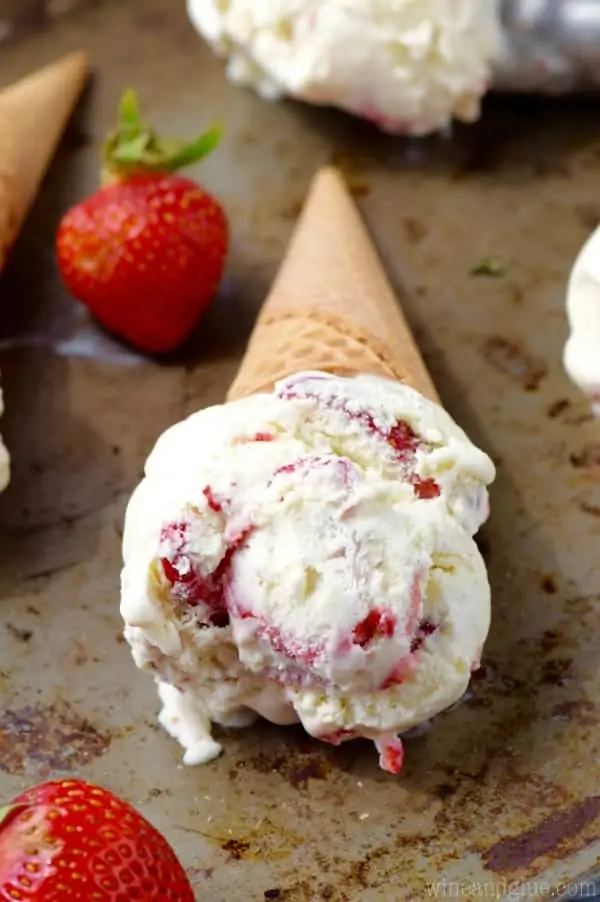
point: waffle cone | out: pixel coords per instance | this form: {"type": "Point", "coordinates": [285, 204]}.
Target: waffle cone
{"type": "Point", "coordinates": [331, 307]}
{"type": "Point", "coordinates": [33, 114]}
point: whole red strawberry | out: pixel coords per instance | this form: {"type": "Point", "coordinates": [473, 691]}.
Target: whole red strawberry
{"type": "Point", "coordinates": [71, 840]}
{"type": "Point", "coordinates": [146, 253]}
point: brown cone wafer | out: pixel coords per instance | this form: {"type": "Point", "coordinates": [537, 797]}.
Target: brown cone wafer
{"type": "Point", "coordinates": [331, 307]}
{"type": "Point", "coordinates": [33, 114]}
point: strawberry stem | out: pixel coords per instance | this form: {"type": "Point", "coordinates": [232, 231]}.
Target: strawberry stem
{"type": "Point", "coordinates": [129, 113]}
{"type": "Point", "coordinates": [134, 147]}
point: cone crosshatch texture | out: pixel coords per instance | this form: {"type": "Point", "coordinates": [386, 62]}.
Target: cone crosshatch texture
{"type": "Point", "coordinates": [331, 307]}
{"type": "Point", "coordinates": [33, 115]}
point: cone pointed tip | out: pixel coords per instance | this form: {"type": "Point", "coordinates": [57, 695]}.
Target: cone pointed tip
{"type": "Point", "coordinates": [75, 62]}
{"type": "Point", "coordinates": [329, 173]}
{"type": "Point", "coordinates": [77, 59]}
{"type": "Point", "coordinates": [329, 191]}
{"type": "Point", "coordinates": [331, 306]}
{"type": "Point", "coordinates": [73, 56]}
{"type": "Point", "coordinates": [70, 69]}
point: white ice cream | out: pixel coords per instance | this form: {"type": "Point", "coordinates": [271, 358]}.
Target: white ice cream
{"type": "Point", "coordinates": [308, 555]}
{"type": "Point", "coordinates": [408, 65]}
{"type": "Point", "coordinates": [4, 457]}
{"type": "Point", "coordinates": [582, 350]}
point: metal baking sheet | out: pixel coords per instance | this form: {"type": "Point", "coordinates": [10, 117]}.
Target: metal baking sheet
{"type": "Point", "coordinates": [504, 790]}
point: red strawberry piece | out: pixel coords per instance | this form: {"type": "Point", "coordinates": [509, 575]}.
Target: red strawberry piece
{"type": "Point", "coordinates": [146, 253]}
{"type": "Point", "coordinates": [376, 624]}
{"type": "Point", "coordinates": [71, 840]}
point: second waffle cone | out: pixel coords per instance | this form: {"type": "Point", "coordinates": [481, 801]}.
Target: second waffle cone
{"type": "Point", "coordinates": [331, 307]}
{"type": "Point", "coordinates": [33, 114]}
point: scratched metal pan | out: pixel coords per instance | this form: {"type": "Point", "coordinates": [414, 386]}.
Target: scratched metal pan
{"type": "Point", "coordinates": [503, 791]}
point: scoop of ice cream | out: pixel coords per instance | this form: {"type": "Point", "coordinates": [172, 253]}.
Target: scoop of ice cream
{"type": "Point", "coordinates": [582, 350]}
{"type": "Point", "coordinates": [308, 555]}
{"type": "Point", "coordinates": [408, 65]}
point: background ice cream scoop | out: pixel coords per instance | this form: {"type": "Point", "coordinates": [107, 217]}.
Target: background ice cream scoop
{"type": "Point", "coordinates": [408, 65]}
{"type": "Point", "coordinates": [307, 554]}
{"type": "Point", "coordinates": [582, 350]}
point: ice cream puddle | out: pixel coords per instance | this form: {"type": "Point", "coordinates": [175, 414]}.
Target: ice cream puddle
{"type": "Point", "coordinates": [304, 552]}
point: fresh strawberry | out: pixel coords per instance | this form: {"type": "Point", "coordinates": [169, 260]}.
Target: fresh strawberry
{"type": "Point", "coordinates": [146, 253]}
{"type": "Point", "coordinates": [70, 840]}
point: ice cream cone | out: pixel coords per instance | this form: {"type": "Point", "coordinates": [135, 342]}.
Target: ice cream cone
{"type": "Point", "coordinates": [331, 307]}
{"type": "Point", "coordinates": [33, 114]}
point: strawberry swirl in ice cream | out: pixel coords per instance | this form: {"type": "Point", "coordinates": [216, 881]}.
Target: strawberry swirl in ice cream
{"type": "Point", "coordinates": [307, 554]}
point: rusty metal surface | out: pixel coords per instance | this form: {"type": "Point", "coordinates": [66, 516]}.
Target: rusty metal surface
{"type": "Point", "coordinates": [22, 17]}
{"type": "Point", "coordinates": [505, 787]}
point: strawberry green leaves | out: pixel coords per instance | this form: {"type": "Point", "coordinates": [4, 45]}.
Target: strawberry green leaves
{"type": "Point", "coordinates": [135, 147]}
